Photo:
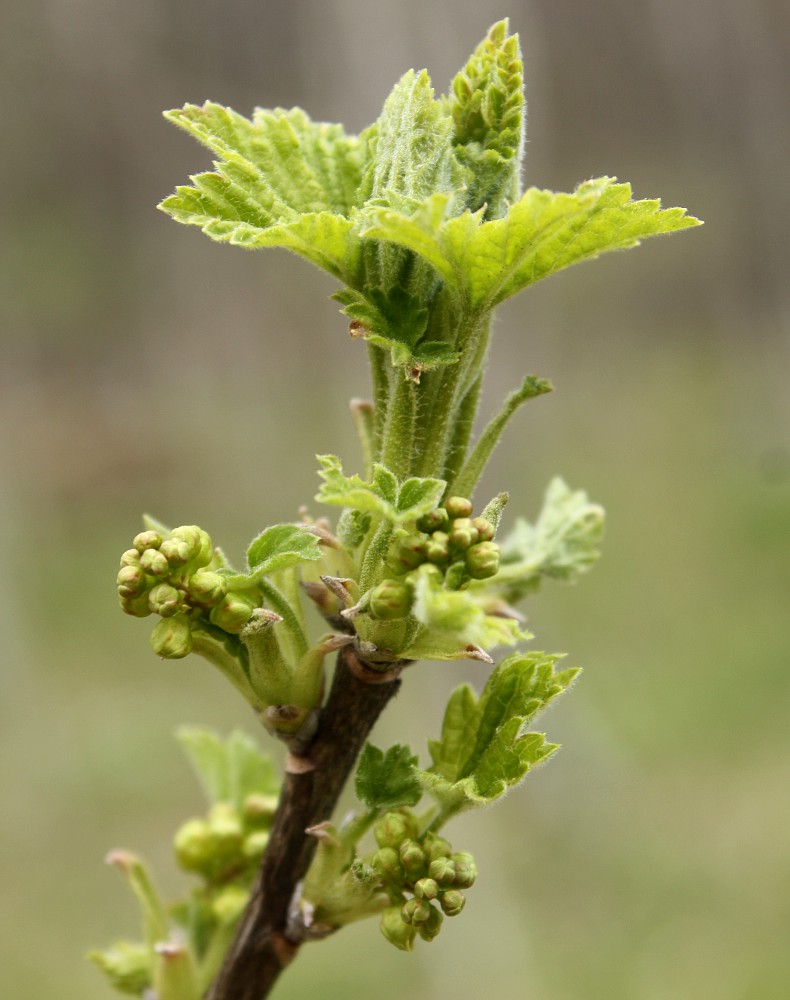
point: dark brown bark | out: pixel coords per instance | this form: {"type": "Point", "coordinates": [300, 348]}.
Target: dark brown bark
{"type": "Point", "coordinates": [312, 787]}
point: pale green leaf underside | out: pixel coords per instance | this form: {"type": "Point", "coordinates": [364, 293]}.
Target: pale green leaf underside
{"type": "Point", "coordinates": [542, 233]}
{"type": "Point", "coordinates": [281, 546]}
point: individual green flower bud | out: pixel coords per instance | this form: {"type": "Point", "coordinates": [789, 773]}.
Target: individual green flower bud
{"type": "Point", "coordinates": [172, 637]}
{"type": "Point", "coordinates": [430, 928]}
{"type": "Point", "coordinates": [465, 870]}
{"type": "Point", "coordinates": [199, 542]}
{"type": "Point", "coordinates": [233, 613]}
{"type": "Point", "coordinates": [482, 560]}
{"type": "Point", "coordinates": [390, 600]}
{"type": "Point", "coordinates": [396, 930]}
{"type": "Point", "coordinates": [154, 562]}
{"type": "Point", "coordinates": [206, 588]}
{"type": "Point", "coordinates": [426, 888]}
{"type": "Point", "coordinates": [452, 902]}
{"type": "Point", "coordinates": [485, 529]}
{"type": "Point", "coordinates": [443, 870]}
{"type": "Point", "coordinates": [176, 551]}
{"type": "Point", "coordinates": [392, 829]}
{"type": "Point", "coordinates": [165, 600]}
{"type": "Point", "coordinates": [408, 553]}
{"type": "Point", "coordinates": [131, 557]}
{"type": "Point", "coordinates": [415, 911]}
{"type": "Point", "coordinates": [127, 966]}
{"type": "Point", "coordinates": [258, 810]}
{"type": "Point", "coordinates": [386, 860]}
{"type": "Point", "coordinates": [137, 606]}
{"type": "Point", "coordinates": [147, 540]}
{"type": "Point", "coordinates": [437, 548]}
{"type": "Point", "coordinates": [412, 858]}
{"type": "Point", "coordinates": [458, 507]}
{"type": "Point", "coordinates": [228, 905]}
{"type": "Point", "coordinates": [436, 847]}
{"type": "Point", "coordinates": [434, 520]}
{"type": "Point", "coordinates": [463, 533]}
{"type": "Point", "coordinates": [193, 846]}
{"type": "Point", "coordinates": [131, 581]}
{"type": "Point", "coordinates": [254, 845]}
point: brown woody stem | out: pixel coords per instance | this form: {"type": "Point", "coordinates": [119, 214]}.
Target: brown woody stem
{"type": "Point", "coordinates": [313, 783]}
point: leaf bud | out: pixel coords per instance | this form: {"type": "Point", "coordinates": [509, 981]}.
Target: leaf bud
{"type": "Point", "coordinates": [136, 606]}
{"type": "Point", "coordinates": [431, 927]}
{"type": "Point", "coordinates": [233, 613]}
{"type": "Point", "coordinates": [392, 829]}
{"type": "Point", "coordinates": [443, 870]}
{"type": "Point", "coordinates": [482, 560]}
{"type": "Point", "coordinates": [426, 888]}
{"type": "Point", "coordinates": [390, 600]}
{"type": "Point", "coordinates": [396, 930]}
{"type": "Point", "coordinates": [131, 557]}
{"type": "Point", "coordinates": [437, 548]}
{"type": "Point", "coordinates": [386, 861]}
{"type": "Point", "coordinates": [154, 562]}
{"type": "Point", "coordinates": [485, 529]}
{"type": "Point", "coordinates": [131, 581]}
{"type": "Point", "coordinates": [415, 911]}
{"type": "Point", "coordinates": [452, 902]}
{"type": "Point", "coordinates": [164, 600]}
{"type": "Point", "coordinates": [206, 588]}
{"type": "Point", "coordinates": [434, 520]}
{"type": "Point", "coordinates": [458, 507]}
{"type": "Point", "coordinates": [465, 870]}
{"type": "Point", "coordinates": [412, 858]}
{"type": "Point", "coordinates": [171, 638]}
{"type": "Point", "coordinates": [147, 540]}
{"type": "Point", "coordinates": [463, 533]}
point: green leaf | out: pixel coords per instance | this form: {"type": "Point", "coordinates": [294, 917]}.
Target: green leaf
{"type": "Point", "coordinates": [564, 542]}
{"type": "Point", "coordinates": [542, 233]}
{"type": "Point", "coordinates": [387, 780]}
{"type": "Point", "coordinates": [486, 101]}
{"type": "Point", "coordinates": [228, 770]}
{"type": "Point", "coordinates": [484, 747]}
{"type": "Point", "coordinates": [127, 966]}
{"type": "Point", "coordinates": [413, 149]}
{"type": "Point", "coordinates": [383, 495]}
{"type": "Point", "coordinates": [281, 546]}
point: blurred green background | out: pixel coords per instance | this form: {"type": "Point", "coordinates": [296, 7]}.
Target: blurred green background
{"type": "Point", "coordinates": [144, 368]}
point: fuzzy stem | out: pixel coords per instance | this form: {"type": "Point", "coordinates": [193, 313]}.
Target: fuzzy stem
{"type": "Point", "coordinates": [264, 945]}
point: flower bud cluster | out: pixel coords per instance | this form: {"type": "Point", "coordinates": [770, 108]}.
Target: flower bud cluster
{"type": "Point", "coordinates": [176, 577]}
{"type": "Point", "coordinates": [457, 546]}
{"type": "Point", "coordinates": [423, 878]}
{"type": "Point", "coordinates": [228, 843]}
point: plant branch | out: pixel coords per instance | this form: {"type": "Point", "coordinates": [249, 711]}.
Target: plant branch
{"type": "Point", "coordinates": [313, 784]}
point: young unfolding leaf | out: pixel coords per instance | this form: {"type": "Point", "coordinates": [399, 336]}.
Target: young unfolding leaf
{"type": "Point", "coordinates": [280, 547]}
{"type": "Point", "coordinates": [563, 543]}
{"type": "Point", "coordinates": [484, 747]}
{"type": "Point", "coordinates": [387, 780]}
{"type": "Point", "coordinates": [399, 504]}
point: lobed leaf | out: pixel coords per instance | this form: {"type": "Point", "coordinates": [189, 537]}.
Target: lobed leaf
{"type": "Point", "coordinates": [399, 504]}
{"type": "Point", "coordinates": [280, 547]}
{"type": "Point", "coordinates": [228, 770]}
{"type": "Point", "coordinates": [387, 780]}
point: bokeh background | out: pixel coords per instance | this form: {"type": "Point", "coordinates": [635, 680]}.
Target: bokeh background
{"type": "Point", "coordinates": [144, 368]}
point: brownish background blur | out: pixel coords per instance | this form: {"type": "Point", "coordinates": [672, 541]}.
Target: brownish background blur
{"type": "Point", "coordinates": [144, 368]}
